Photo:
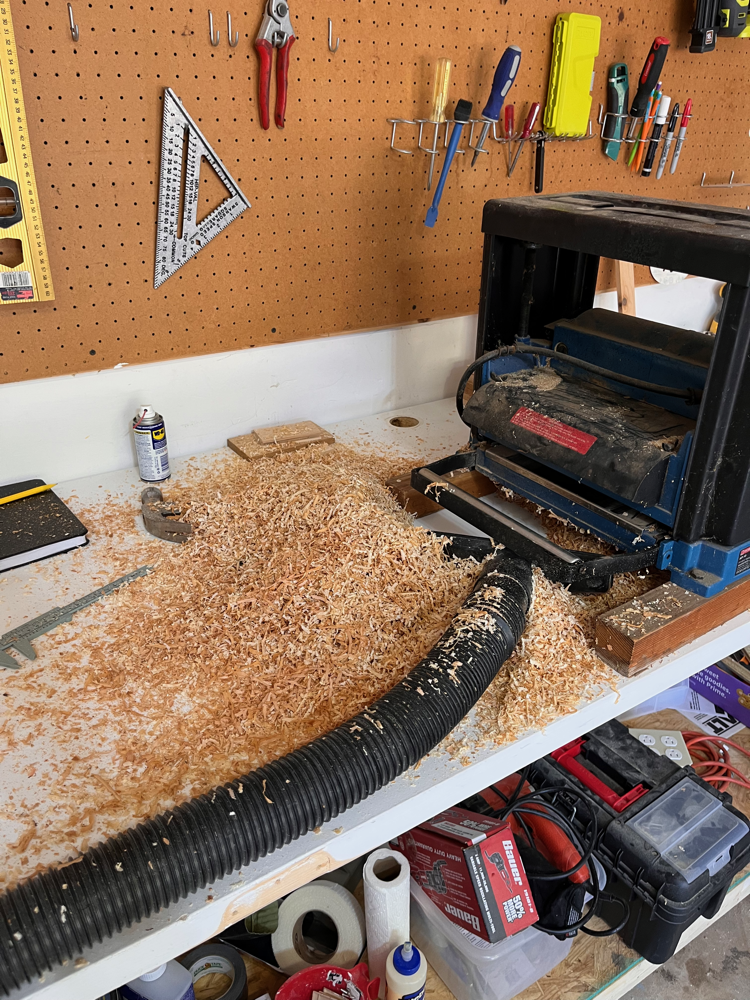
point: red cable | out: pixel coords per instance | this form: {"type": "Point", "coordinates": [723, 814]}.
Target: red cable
{"type": "Point", "coordinates": [711, 760]}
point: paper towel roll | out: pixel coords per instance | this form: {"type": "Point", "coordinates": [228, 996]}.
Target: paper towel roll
{"type": "Point", "coordinates": [386, 882]}
{"type": "Point", "coordinates": [294, 952]}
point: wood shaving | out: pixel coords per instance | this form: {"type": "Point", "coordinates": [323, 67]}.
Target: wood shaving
{"type": "Point", "coordinates": [304, 594]}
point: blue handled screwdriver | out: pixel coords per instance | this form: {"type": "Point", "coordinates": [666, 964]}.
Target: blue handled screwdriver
{"type": "Point", "coordinates": [460, 117]}
{"type": "Point", "coordinates": [505, 74]}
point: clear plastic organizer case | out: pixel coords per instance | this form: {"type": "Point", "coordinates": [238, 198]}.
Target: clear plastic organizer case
{"type": "Point", "coordinates": [690, 829]}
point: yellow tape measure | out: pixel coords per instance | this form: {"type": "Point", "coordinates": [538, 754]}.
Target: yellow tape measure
{"type": "Point", "coordinates": [24, 264]}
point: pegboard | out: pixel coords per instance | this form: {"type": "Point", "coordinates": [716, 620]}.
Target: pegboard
{"type": "Point", "coordinates": [335, 239]}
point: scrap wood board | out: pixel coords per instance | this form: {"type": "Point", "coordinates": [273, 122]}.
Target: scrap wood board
{"type": "Point", "coordinates": [335, 240]}
{"type": "Point", "coordinates": [634, 635]}
{"type": "Point", "coordinates": [275, 440]}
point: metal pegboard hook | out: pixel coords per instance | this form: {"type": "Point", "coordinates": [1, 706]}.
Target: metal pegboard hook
{"type": "Point", "coordinates": [229, 32]}
{"type": "Point", "coordinates": [214, 37]}
{"type": "Point", "coordinates": [331, 46]}
{"type": "Point", "coordinates": [73, 26]}
{"type": "Point", "coordinates": [731, 183]}
{"type": "Point", "coordinates": [395, 122]}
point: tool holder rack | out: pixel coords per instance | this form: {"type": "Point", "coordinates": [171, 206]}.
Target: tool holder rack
{"type": "Point", "coordinates": [626, 118]}
{"type": "Point", "coordinates": [432, 150]}
{"type": "Point", "coordinates": [731, 183]}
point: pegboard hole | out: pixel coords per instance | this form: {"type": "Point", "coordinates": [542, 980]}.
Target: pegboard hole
{"type": "Point", "coordinates": [11, 253]}
{"type": "Point", "coordinates": [404, 421]}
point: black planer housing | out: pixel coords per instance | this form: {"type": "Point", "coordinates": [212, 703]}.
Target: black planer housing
{"type": "Point", "coordinates": [635, 431]}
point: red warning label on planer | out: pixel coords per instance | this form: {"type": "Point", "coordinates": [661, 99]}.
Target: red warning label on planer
{"type": "Point", "coordinates": [553, 430]}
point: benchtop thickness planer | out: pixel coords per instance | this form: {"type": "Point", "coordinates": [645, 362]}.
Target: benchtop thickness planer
{"type": "Point", "coordinates": [635, 431]}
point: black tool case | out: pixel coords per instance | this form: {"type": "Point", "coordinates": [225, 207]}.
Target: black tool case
{"type": "Point", "coordinates": [670, 843]}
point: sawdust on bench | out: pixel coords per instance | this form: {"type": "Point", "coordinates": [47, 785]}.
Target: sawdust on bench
{"type": "Point", "coordinates": [304, 594]}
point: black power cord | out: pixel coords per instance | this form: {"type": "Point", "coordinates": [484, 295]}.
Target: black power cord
{"type": "Point", "coordinates": [691, 396]}
{"type": "Point", "coordinates": [535, 803]}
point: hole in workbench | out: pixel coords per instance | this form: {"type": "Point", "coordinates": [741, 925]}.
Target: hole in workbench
{"type": "Point", "coordinates": [404, 421]}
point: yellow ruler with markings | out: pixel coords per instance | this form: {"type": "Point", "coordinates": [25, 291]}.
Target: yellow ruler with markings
{"type": "Point", "coordinates": [24, 264]}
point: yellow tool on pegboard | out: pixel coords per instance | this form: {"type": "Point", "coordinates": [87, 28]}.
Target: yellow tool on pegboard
{"type": "Point", "coordinates": [26, 275]}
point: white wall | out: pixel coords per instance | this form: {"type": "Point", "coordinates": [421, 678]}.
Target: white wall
{"type": "Point", "coordinates": [76, 425]}
{"type": "Point", "coordinates": [691, 304]}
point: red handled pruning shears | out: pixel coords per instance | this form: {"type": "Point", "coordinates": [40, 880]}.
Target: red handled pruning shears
{"type": "Point", "coordinates": [276, 32]}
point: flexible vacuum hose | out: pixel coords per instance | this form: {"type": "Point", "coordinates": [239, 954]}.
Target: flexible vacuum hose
{"type": "Point", "coordinates": [54, 916]}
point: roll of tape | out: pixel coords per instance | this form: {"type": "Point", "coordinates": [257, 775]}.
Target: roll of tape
{"type": "Point", "coordinates": [218, 972]}
{"type": "Point", "coordinates": [294, 951]}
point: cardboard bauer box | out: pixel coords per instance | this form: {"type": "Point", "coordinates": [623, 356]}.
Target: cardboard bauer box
{"type": "Point", "coordinates": [470, 868]}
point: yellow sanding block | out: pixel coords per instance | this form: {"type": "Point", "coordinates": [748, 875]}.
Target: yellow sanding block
{"type": "Point", "coordinates": [275, 440]}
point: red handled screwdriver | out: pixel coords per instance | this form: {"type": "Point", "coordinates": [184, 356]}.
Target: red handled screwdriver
{"type": "Point", "coordinates": [528, 128]}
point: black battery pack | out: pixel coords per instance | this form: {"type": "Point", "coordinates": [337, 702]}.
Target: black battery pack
{"type": "Point", "coordinates": [670, 843]}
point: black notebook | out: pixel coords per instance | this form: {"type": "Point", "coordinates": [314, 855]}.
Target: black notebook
{"type": "Point", "coordinates": [35, 527]}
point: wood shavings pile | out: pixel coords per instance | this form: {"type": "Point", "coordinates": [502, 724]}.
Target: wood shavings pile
{"type": "Point", "coordinates": [304, 593]}
{"type": "Point", "coordinates": [554, 666]}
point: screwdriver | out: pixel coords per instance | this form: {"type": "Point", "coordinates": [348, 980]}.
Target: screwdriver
{"type": "Point", "coordinates": [668, 140]}
{"type": "Point", "coordinates": [528, 128]}
{"type": "Point", "coordinates": [653, 143]}
{"type": "Point", "coordinates": [510, 124]}
{"type": "Point", "coordinates": [439, 100]}
{"type": "Point", "coordinates": [460, 117]}
{"type": "Point", "coordinates": [647, 81]}
{"type": "Point", "coordinates": [539, 166]}
{"type": "Point", "coordinates": [505, 74]}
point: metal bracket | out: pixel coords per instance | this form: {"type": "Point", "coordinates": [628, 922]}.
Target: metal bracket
{"type": "Point", "coordinates": [731, 183]}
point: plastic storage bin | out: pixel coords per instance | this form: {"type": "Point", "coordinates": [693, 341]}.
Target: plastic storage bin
{"type": "Point", "coordinates": [471, 968]}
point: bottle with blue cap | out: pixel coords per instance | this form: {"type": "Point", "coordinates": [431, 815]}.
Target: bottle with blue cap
{"type": "Point", "coordinates": [405, 973]}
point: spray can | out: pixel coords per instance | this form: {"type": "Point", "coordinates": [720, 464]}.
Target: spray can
{"type": "Point", "coordinates": [405, 973]}
{"type": "Point", "coordinates": [151, 445]}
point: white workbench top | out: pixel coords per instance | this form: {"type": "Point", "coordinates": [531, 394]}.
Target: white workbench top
{"type": "Point", "coordinates": [439, 780]}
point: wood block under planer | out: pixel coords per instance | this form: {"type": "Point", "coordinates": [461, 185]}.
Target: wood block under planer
{"type": "Point", "coordinates": [632, 636]}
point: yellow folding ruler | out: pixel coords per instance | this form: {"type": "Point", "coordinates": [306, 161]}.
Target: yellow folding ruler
{"type": "Point", "coordinates": [24, 264]}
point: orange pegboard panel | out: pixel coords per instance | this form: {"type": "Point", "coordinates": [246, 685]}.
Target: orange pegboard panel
{"type": "Point", "coordinates": [334, 240]}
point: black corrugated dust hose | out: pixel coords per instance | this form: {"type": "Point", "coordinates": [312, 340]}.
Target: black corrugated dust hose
{"type": "Point", "coordinates": [57, 914]}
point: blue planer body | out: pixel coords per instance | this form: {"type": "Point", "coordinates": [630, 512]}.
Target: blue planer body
{"type": "Point", "coordinates": [635, 431]}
